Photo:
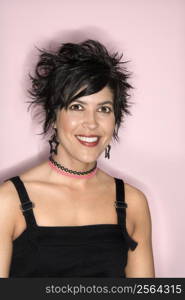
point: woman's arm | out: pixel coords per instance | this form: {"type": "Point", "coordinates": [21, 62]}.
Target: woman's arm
{"type": "Point", "coordinates": [140, 261]}
{"type": "Point", "coordinates": [7, 221]}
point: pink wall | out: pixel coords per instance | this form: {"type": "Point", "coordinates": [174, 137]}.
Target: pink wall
{"type": "Point", "coordinates": [150, 154]}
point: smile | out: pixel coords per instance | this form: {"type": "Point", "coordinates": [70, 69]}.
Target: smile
{"type": "Point", "coordinates": [89, 141]}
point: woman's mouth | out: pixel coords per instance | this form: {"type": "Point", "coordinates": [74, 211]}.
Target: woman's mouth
{"type": "Point", "coordinates": [89, 141]}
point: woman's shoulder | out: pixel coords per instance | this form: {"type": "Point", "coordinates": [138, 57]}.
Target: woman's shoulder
{"type": "Point", "coordinates": [9, 202]}
{"type": "Point", "coordinates": [133, 196]}
{"type": "Point", "coordinates": [137, 205]}
{"type": "Point", "coordinates": [7, 191]}
{"type": "Point", "coordinates": [131, 191]}
{"type": "Point", "coordinates": [36, 173]}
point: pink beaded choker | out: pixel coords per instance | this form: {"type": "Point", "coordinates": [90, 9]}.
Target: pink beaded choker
{"type": "Point", "coordinates": [74, 174]}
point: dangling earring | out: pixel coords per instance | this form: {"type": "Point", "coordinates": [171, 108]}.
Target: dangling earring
{"type": "Point", "coordinates": [107, 151]}
{"type": "Point", "coordinates": [53, 140]}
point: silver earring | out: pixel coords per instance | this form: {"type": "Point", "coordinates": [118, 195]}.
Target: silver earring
{"type": "Point", "coordinates": [107, 151]}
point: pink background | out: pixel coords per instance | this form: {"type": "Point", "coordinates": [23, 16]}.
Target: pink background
{"type": "Point", "coordinates": [150, 154]}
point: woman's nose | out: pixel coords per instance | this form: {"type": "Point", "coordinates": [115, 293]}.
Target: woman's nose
{"type": "Point", "coordinates": [90, 120]}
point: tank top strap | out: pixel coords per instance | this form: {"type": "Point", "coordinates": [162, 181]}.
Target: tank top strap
{"type": "Point", "coordinates": [121, 206]}
{"type": "Point", "coordinates": [120, 202]}
{"type": "Point", "coordinates": [26, 205]}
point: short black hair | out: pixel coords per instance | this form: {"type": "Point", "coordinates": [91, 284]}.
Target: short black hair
{"type": "Point", "coordinates": [60, 74]}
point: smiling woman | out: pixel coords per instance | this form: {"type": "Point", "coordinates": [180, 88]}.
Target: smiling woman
{"type": "Point", "coordinates": [66, 217]}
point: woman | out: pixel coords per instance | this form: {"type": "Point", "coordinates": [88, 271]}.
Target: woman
{"type": "Point", "coordinates": [66, 217]}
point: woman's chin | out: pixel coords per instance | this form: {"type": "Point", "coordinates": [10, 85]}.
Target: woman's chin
{"type": "Point", "coordinates": [88, 160]}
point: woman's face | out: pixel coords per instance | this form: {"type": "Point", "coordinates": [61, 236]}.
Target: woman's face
{"type": "Point", "coordinates": [86, 128]}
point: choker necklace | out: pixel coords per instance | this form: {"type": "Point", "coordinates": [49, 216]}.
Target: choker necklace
{"type": "Point", "coordinates": [75, 174]}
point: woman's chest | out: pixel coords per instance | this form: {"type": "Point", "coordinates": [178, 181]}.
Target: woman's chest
{"type": "Point", "coordinates": [73, 207]}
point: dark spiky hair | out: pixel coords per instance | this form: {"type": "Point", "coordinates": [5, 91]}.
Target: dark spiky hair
{"type": "Point", "coordinates": [61, 74]}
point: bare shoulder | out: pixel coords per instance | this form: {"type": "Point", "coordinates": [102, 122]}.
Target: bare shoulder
{"type": "Point", "coordinates": [134, 195]}
{"type": "Point", "coordinates": [8, 207]}
{"type": "Point", "coordinates": [7, 194]}
{"type": "Point", "coordinates": [137, 203]}
{"type": "Point", "coordinates": [138, 208]}
{"type": "Point", "coordinates": [9, 198]}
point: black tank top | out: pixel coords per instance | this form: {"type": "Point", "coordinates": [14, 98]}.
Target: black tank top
{"type": "Point", "coordinates": [98, 250]}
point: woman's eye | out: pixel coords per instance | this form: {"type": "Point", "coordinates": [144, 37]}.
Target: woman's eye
{"type": "Point", "coordinates": [75, 107]}
{"type": "Point", "coordinates": [106, 109]}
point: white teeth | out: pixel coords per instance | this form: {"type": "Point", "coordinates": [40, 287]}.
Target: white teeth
{"type": "Point", "coordinates": [87, 139]}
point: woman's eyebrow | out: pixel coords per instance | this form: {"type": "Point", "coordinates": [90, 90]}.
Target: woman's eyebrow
{"type": "Point", "coordinates": [106, 102]}
{"type": "Point", "coordinates": [101, 103]}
